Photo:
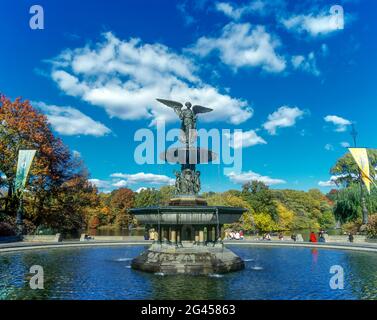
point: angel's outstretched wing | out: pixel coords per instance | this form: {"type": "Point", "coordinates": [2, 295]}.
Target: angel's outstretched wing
{"type": "Point", "coordinates": [200, 109]}
{"type": "Point", "coordinates": [170, 103]}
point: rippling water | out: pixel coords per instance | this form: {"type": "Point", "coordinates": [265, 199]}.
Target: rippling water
{"type": "Point", "coordinates": [270, 273]}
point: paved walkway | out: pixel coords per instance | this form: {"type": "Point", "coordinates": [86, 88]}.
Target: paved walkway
{"type": "Point", "coordinates": [18, 246]}
{"type": "Point", "coordinates": [360, 246]}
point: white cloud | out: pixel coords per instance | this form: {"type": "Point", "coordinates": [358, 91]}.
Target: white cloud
{"type": "Point", "coordinates": [329, 147]}
{"type": "Point", "coordinates": [240, 45]}
{"type": "Point", "coordinates": [76, 154]}
{"type": "Point", "coordinates": [70, 121]}
{"type": "Point", "coordinates": [329, 183]}
{"type": "Point", "coordinates": [284, 117]}
{"type": "Point", "coordinates": [345, 144]}
{"type": "Point", "coordinates": [339, 122]}
{"type": "Point", "coordinates": [141, 177]}
{"type": "Point", "coordinates": [307, 64]}
{"type": "Point", "coordinates": [125, 78]}
{"type": "Point", "coordinates": [249, 176]}
{"type": "Point", "coordinates": [234, 12]}
{"type": "Point", "coordinates": [321, 24]}
{"type": "Point", "coordinates": [229, 10]}
{"type": "Point", "coordinates": [244, 139]}
{"type": "Point", "coordinates": [121, 180]}
{"type": "Point", "coordinates": [101, 184]}
{"type": "Point", "coordinates": [333, 180]}
{"type": "Point", "coordinates": [120, 184]}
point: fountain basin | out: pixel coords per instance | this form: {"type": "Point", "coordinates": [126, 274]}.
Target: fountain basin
{"type": "Point", "coordinates": [286, 271]}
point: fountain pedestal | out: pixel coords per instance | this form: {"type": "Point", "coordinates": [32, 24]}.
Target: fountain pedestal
{"type": "Point", "coordinates": [189, 239]}
{"type": "Point", "coordinates": [189, 259]}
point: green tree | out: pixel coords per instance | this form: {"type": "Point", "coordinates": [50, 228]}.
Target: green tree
{"type": "Point", "coordinates": [347, 173]}
{"type": "Point", "coordinates": [260, 198]}
{"type": "Point", "coordinates": [348, 203]}
{"type": "Point", "coordinates": [166, 193]}
{"type": "Point", "coordinates": [147, 198]}
{"type": "Point", "coordinates": [347, 170]}
{"type": "Point", "coordinates": [327, 220]}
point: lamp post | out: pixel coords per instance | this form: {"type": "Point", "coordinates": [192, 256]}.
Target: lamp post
{"type": "Point", "coordinates": [20, 211]}
{"type": "Point", "coordinates": [362, 198]}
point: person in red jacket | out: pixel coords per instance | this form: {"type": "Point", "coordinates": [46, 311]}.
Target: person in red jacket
{"type": "Point", "coordinates": [313, 237]}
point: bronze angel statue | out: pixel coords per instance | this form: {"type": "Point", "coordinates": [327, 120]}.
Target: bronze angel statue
{"type": "Point", "coordinates": [188, 116]}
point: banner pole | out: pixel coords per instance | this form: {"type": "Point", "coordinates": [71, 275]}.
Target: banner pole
{"type": "Point", "coordinates": [19, 219]}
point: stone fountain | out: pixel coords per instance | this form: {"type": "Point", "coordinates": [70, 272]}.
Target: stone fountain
{"type": "Point", "coordinates": [189, 237]}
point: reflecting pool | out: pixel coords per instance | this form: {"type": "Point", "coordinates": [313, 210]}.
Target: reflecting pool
{"type": "Point", "coordinates": [270, 273]}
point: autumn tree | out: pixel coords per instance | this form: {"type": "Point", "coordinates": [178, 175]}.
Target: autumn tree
{"type": "Point", "coordinates": [69, 206]}
{"type": "Point", "coordinates": [23, 127]}
{"type": "Point", "coordinates": [58, 184]}
{"type": "Point", "coordinates": [121, 200]}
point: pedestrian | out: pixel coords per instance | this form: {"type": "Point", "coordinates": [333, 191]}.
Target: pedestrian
{"type": "Point", "coordinates": [350, 237]}
{"type": "Point", "coordinates": [312, 237]}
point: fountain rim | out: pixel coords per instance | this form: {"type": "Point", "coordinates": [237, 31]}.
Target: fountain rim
{"type": "Point", "coordinates": [22, 246]}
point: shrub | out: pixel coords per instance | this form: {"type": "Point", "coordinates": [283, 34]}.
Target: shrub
{"type": "Point", "coordinates": [352, 226]}
{"type": "Point", "coordinates": [44, 230]}
{"type": "Point", "coordinates": [371, 228]}
{"type": "Point", "coordinates": [6, 229]}
{"type": "Point", "coordinates": [28, 226]}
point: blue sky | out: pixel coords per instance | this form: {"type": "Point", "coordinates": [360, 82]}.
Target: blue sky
{"type": "Point", "coordinates": [285, 72]}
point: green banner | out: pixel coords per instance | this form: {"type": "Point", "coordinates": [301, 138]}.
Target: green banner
{"type": "Point", "coordinates": [25, 158]}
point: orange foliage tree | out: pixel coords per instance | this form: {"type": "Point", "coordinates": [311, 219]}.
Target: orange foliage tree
{"type": "Point", "coordinates": [57, 179]}
{"type": "Point", "coordinates": [120, 201]}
